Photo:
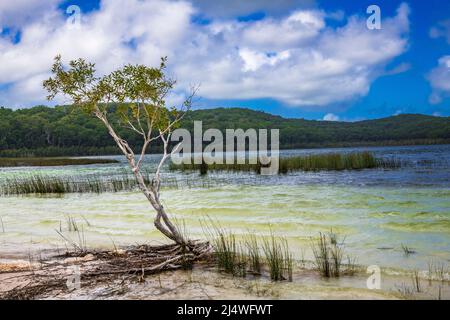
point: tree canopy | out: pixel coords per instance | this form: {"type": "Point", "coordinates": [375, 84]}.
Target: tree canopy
{"type": "Point", "coordinates": [60, 130]}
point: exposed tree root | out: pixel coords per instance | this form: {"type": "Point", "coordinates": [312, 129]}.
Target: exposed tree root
{"type": "Point", "coordinates": [102, 266]}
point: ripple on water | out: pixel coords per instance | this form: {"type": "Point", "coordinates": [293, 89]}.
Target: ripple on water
{"type": "Point", "coordinates": [431, 226]}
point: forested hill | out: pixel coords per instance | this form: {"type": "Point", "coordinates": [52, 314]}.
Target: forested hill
{"type": "Point", "coordinates": [55, 131]}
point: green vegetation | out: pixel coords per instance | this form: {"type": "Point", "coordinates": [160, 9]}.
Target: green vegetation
{"type": "Point", "coordinates": [251, 243]}
{"type": "Point", "coordinates": [407, 251]}
{"type": "Point", "coordinates": [47, 162]}
{"type": "Point", "coordinates": [41, 184]}
{"type": "Point", "coordinates": [48, 184]}
{"type": "Point", "coordinates": [62, 131]}
{"type": "Point", "coordinates": [328, 254]}
{"type": "Point", "coordinates": [236, 259]}
{"type": "Point", "coordinates": [240, 257]}
{"type": "Point", "coordinates": [278, 258]}
{"type": "Point", "coordinates": [315, 162]}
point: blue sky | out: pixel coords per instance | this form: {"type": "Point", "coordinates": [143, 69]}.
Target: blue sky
{"type": "Point", "coordinates": [302, 58]}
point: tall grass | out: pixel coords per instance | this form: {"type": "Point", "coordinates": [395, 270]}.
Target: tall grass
{"type": "Point", "coordinates": [46, 184]}
{"type": "Point", "coordinates": [241, 257]}
{"type": "Point", "coordinates": [317, 162]}
{"type": "Point", "coordinates": [226, 252]}
{"type": "Point", "coordinates": [328, 254]}
{"type": "Point", "coordinates": [71, 224]}
{"type": "Point", "coordinates": [407, 251]}
{"type": "Point", "coordinates": [416, 281]}
{"type": "Point", "coordinates": [278, 258]}
{"type": "Point", "coordinates": [253, 252]}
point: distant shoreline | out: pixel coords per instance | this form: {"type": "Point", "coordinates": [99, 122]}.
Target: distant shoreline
{"type": "Point", "coordinates": [50, 162]}
{"type": "Point", "coordinates": [65, 153]}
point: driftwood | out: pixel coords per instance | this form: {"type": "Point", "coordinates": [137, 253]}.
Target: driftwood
{"type": "Point", "coordinates": [131, 263]}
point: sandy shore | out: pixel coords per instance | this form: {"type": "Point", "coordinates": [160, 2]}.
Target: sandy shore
{"type": "Point", "coordinates": [205, 282]}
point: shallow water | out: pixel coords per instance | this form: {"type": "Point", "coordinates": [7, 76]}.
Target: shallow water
{"type": "Point", "coordinates": [375, 210]}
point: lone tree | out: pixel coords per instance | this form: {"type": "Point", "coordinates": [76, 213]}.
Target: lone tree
{"type": "Point", "coordinates": [139, 94]}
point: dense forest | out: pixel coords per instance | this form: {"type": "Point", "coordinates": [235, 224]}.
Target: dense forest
{"type": "Point", "coordinates": [58, 131]}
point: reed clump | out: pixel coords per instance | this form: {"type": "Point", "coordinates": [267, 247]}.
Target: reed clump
{"type": "Point", "coordinates": [278, 258]}
{"type": "Point", "coordinates": [407, 251]}
{"type": "Point", "coordinates": [47, 184]}
{"type": "Point", "coordinates": [416, 281]}
{"type": "Point", "coordinates": [253, 251]}
{"type": "Point", "coordinates": [328, 254]}
{"type": "Point", "coordinates": [242, 257]}
{"type": "Point", "coordinates": [228, 253]}
{"type": "Point", "coordinates": [314, 162]}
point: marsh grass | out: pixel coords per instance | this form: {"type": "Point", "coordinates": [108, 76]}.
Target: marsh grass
{"type": "Point", "coordinates": [78, 245]}
{"type": "Point", "coordinates": [405, 290]}
{"type": "Point", "coordinates": [46, 184]}
{"type": "Point", "coordinates": [225, 247]}
{"type": "Point", "coordinates": [328, 254]}
{"type": "Point", "coordinates": [251, 243]}
{"type": "Point", "coordinates": [351, 268]}
{"type": "Point", "coordinates": [72, 225]}
{"type": "Point", "coordinates": [317, 162]}
{"type": "Point", "coordinates": [241, 257]}
{"type": "Point", "coordinates": [407, 251]}
{"type": "Point", "coordinates": [436, 271]}
{"type": "Point", "coordinates": [278, 258]}
{"type": "Point", "coordinates": [416, 281]}
{"type": "Point", "coordinates": [229, 259]}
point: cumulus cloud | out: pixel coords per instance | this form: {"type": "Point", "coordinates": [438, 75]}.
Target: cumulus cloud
{"type": "Point", "coordinates": [297, 59]}
{"type": "Point", "coordinates": [331, 117]}
{"type": "Point", "coordinates": [439, 79]}
{"type": "Point", "coordinates": [14, 14]}
{"type": "Point", "coordinates": [315, 66]}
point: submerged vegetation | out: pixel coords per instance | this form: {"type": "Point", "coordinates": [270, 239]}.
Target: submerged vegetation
{"type": "Point", "coordinates": [328, 254]}
{"type": "Point", "coordinates": [49, 162]}
{"type": "Point", "coordinates": [48, 184]}
{"type": "Point", "coordinates": [314, 162]}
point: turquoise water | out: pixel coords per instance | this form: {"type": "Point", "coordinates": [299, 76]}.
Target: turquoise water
{"type": "Point", "coordinates": [377, 211]}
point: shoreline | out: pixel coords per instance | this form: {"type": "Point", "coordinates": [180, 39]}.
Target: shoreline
{"type": "Point", "coordinates": [51, 162]}
{"type": "Point", "coordinates": [382, 144]}
{"type": "Point", "coordinates": [204, 281]}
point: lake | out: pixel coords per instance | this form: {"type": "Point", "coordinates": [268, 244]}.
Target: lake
{"type": "Point", "coordinates": [375, 210]}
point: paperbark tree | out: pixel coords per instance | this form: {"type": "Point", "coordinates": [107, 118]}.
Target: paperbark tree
{"type": "Point", "coordinates": [138, 93]}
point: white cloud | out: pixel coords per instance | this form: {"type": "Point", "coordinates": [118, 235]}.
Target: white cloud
{"type": "Point", "coordinates": [331, 117]}
{"type": "Point", "coordinates": [324, 65]}
{"type": "Point", "coordinates": [15, 13]}
{"type": "Point", "coordinates": [439, 79]}
{"type": "Point", "coordinates": [296, 59]}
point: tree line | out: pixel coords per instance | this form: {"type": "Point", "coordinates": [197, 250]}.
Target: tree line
{"type": "Point", "coordinates": [58, 131]}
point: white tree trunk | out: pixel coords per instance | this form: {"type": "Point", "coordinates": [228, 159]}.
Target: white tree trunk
{"type": "Point", "coordinates": [162, 221]}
